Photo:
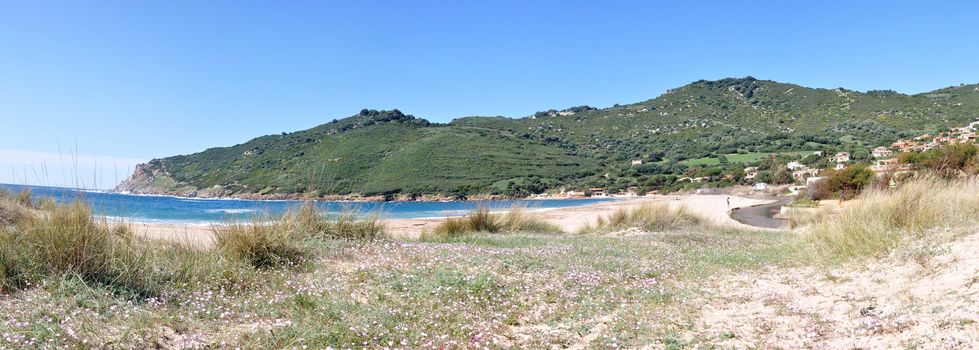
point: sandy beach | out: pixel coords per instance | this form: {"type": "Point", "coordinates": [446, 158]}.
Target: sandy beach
{"type": "Point", "coordinates": [570, 219]}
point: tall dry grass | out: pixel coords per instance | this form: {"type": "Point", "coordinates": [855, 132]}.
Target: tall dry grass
{"type": "Point", "coordinates": [285, 241]}
{"type": "Point", "coordinates": [67, 241]}
{"type": "Point", "coordinates": [647, 217]}
{"type": "Point", "coordinates": [260, 244]}
{"type": "Point", "coordinates": [308, 222]}
{"type": "Point", "coordinates": [808, 216]}
{"type": "Point", "coordinates": [881, 220]}
{"type": "Point", "coordinates": [513, 220]}
{"type": "Point", "coordinates": [11, 212]}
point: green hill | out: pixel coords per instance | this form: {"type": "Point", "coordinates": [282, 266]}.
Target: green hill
{"type": "Point", "coordinates": [390, 153]}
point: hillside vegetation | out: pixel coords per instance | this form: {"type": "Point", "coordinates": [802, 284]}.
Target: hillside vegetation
{"type": "Point", "coordinates": [684, 132]}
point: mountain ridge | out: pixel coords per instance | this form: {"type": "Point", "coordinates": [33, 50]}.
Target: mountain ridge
{"type": "Point", "coordinates": [389, 154]}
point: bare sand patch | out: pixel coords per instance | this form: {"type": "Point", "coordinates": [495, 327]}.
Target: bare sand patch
{"type": "Point", "coordinates": [194, 235]}
{"type": "Point", "coordinates": [897, 302]}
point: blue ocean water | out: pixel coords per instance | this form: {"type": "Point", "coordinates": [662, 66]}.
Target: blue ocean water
{"type": "Point", "coordinates": [142, 208]}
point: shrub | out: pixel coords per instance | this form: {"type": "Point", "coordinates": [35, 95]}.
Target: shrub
{"type": "Point", "coordinates": [951, 160]}
{"type": "Point", "coordinates": [848, 182]}
{"type": "Point", "coordinates": [819, 190]}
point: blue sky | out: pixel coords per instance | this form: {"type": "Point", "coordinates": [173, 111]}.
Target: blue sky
{"type": "Point", "coordinates": [117, 82]}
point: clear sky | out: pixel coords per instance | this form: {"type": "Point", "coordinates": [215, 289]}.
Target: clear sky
{"type": "Point", "coordinates": [116, 82]}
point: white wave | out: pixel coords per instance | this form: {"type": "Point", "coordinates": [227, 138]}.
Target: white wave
{"type": "Point", "coordinates": [230, 211]}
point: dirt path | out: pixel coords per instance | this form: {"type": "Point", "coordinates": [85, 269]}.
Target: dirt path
{"type": "Point", "coordinates": [761, 215]}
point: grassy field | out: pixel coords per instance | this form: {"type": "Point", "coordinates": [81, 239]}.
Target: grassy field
{"type": "Point", "coordinates": [299, 283]}
{"type": "Point", "coordinates": [479, 291]}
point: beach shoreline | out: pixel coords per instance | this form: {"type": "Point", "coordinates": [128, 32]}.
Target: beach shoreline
{"type": "Point", "coordinates": [713, 207]}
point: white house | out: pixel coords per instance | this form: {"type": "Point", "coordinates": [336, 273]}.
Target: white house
{"type": "Point", "coordinates": [814, 179]}
{"type": "Point", "coordinates": [841, 157]}
{"type": "Point", "coordinates": [880, 152]}
{"type": "Point", "coordinates": [761, 186]}
{"type": "Point", "coordinates": [637, 162]}
{"type": "Point", "coordinates": [795, 166]}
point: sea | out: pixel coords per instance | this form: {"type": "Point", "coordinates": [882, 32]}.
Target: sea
{"type": "Point", "coordinates": [180, 210]}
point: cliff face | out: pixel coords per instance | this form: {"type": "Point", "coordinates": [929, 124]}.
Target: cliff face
{"type": "Point", "coordinates": [152, 178]}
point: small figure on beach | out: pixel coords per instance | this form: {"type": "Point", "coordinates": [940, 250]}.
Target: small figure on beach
{"type": "Point", "coordinates": [729, 202]}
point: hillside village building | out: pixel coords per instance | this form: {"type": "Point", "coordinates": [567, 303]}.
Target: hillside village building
{"type": "Point", "coordinates": [881, 152]}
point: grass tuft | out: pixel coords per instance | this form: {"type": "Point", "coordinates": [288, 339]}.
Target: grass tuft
{"type": "Point", "coordinates": [647, 217]}
{"type": "Point", "coordinates": [284, 242]}
{"type": "Point", "coordinates": [259, 244]}
{"type": "Point", "coordinates": [308, 222]}
{"type": "Point", "coordinates": [24, 198]}
{"type": "Point", "coordinates": [69, 241]}
{"type": "Point", "coordinates": [12, 212]}
{"type": "Point", "coordinates": [516, 219]}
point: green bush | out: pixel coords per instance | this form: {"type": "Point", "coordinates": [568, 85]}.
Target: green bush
{"type": "Point", "coordinates": [848, 182]}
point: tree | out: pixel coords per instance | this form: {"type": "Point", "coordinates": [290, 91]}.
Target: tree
{"type": "Point", "coordinates": [763, 176]}
{"type": "Point", "coordinates": [722, 158]}
{"type": "Point", "coordinates": [782, 176]}
{"type": "Point", "coordinates": [811, 159]}
{"type": "Point", "coordinates": [849, 181]}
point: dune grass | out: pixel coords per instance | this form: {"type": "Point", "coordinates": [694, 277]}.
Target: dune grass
{"type": "Point", "coordinates": [647, 217]}
{"type": "Point", "coordinates": [306, 221]}
{"type": "Point", "coordinates": [11, 212]}
{"type": "Point", "coordinates": [881, 220]}
{"type": "Point", "coordinates": [261, 245]}
{"type": "Point", "coordinates": [285, 241]}
{"type": "Point", "coordinates": [513, 220]}
{"type": "Point", "coordinates": [66, 240]}
{"type": "Point", "coordinates": [802, 217]}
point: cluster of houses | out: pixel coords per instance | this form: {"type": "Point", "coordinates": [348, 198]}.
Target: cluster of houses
{"type": "Point", "coordinates": [966, 134]}
{"type": "Point", "coordinates": [884, 162]}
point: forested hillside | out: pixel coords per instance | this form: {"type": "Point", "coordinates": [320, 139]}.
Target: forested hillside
{"type": "Point", "coordinates": [706, 128]}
